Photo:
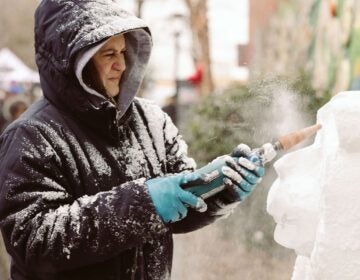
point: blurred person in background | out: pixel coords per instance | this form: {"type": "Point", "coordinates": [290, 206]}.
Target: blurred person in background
{"type": "Point", "coordinates": [16, 88]}
{"type": "Point", "coordinates": [12, 108]}
{"type": "Point", "coordinates": [3, 121]}
{"type": "Point", "coordinates": [90, 175]}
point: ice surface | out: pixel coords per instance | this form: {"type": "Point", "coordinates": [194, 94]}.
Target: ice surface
{"type": "Point", "coordinates": [302, 269]}
{"type": "Point", "coordinates": [293, 200]}
{"type": "Point", "coordinates": [315, 201]}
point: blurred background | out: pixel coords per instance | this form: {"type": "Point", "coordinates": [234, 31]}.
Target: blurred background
{"type": "Point", "coordinates": [227, 72]}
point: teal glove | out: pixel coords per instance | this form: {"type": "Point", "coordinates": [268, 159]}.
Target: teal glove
{"type": "Point", "coordinates": [242, 176]}
{"type": "Point", "coordinates": [245, 171]}
{"type": "Point", "coordinates": [236, 173]}
{"type": "Point", "coordinates": [170, 200]}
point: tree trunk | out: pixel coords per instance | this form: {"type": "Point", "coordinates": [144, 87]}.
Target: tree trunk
{"type": "Point", "coordinates": [17, 28]}
{"type": "Point", "coordinates": [201, 45]}
{"type": "Point", "coordinates": [139, 4]}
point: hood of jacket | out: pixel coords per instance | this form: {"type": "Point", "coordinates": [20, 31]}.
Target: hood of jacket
{"type": "Point", "coordinates": [66, 32]}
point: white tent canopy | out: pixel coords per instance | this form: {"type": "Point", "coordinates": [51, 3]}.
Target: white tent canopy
{"type": "Point", "coordinates": [12, 69]}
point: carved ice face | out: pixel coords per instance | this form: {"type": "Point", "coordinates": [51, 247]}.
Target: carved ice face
{"type": "Point", "coordinates": [294, 198]}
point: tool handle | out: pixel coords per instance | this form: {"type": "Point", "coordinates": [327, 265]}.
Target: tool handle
{"type": "Point", "coordinates": [211, 177]}
{"type": "Point", "coordinates": [210, 180]}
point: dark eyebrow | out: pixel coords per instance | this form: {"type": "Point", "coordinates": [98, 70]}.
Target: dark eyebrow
{"type": "Point", "coordinates": [111, 49]}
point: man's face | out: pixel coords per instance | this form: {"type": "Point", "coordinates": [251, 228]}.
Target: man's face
{"type": "Point", "coordinates": [110, 64]}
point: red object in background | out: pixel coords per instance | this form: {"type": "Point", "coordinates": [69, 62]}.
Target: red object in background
{"type": "Point", "coordinates": [332, 8]}
{"type": "Point", "coordinates": [196, 78]}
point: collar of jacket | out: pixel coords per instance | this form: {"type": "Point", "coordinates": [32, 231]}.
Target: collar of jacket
{"type": "Point", "coordinates": [98, 114]}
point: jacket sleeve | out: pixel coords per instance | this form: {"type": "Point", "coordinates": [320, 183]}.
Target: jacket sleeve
{"type": "Point", "coordinates": [49, 230]}
{"type": "Point", "coordinates": [178, 161]}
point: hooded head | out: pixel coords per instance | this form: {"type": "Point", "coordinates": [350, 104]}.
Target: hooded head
{"type": "Point", "coordinates": [104, 70]}
{"type": "Point", "coordinates": [68, 33]}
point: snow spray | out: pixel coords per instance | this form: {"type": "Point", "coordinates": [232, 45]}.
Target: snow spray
{"type": "Point", "coordinates": [221, 250]}
{"type": "Point", "coordinates": [211, 175]}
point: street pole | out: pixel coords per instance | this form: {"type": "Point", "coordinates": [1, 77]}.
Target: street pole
{"type": "Point", "coordinates": [139, 7]}
{"type": "Point", "coordinates": [176, 74]}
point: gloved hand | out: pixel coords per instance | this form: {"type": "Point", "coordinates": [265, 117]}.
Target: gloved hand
{"type": "Point", "coordinates": [243, 172]}
{"type": "Point", "coordinates": [236, 171]}
{"type": "Point", "coordinates": [170, 200]}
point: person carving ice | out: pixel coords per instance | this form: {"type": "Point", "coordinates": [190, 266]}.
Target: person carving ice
{"type": "Point", "coordinates": [314, 200]}
{"type": "Point", "coordinates": [90, 176]}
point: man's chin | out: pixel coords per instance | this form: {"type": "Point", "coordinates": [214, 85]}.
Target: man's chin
{"type": "Point", "coordinates": [113, 93]}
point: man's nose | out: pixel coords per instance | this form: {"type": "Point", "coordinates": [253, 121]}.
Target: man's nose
{"type": "Point", "coordinates": [119, 64]}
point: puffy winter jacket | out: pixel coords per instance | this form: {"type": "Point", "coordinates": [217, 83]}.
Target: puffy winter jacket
{"type": "Point", "coordinates": [73, 203]}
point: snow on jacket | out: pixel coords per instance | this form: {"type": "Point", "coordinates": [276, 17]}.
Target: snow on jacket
{"type": "Point", "coordinates": [73, 203]}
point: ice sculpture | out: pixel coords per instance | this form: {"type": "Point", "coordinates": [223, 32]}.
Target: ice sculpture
{"type": "Point", "coordinates": [315, 200]}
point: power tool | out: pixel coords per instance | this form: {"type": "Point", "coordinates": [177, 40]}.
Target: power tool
{"type": "Point", "coordinates": [211, 176]}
